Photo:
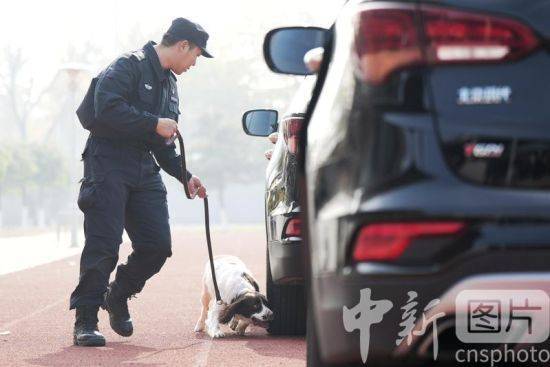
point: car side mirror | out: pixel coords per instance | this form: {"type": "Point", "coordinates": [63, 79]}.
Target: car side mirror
{"type": "Point", "coordinates": [260, 122]}
{"type": "Point", "coordinates": [285, 48]}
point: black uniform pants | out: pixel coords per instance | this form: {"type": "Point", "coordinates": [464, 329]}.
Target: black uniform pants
{"type": "Point", "coordinates": [121, 189]}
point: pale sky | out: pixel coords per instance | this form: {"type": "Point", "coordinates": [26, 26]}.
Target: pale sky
{"type": "Point", "coordinates": [44, 30]}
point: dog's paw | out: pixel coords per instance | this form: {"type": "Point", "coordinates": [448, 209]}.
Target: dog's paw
{"type": "Point", "coordinates": [233, 324]}
{"type": "Point", "coordinates": [199, 327]}
{"type": "Point", "coordinates": [241, 329]}
{"type": "Point", "coordinates": [217, 334]}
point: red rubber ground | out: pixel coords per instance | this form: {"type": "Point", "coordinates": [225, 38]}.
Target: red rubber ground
{"type": "Point", "coordinates": [34, 309]}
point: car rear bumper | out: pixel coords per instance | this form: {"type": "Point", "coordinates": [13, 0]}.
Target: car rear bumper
{"type": "Point", "coordinates": [286, 259]}
{"type": "Point", "coordinates": [507, 268]}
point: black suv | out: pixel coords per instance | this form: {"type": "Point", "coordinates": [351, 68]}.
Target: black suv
{"type": "Point", "coordinates": [284, 258]}
{"type": "Point", "coordinates": [426, 166]}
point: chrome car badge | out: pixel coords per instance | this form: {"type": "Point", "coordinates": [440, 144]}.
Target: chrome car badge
{"type": "Point", "coordinates": [483, 150]}
{"type": "Point", "coordinates": [484, 95]}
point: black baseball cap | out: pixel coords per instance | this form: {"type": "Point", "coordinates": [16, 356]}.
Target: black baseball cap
{"type": "Point", "coordinates": [184, 29]}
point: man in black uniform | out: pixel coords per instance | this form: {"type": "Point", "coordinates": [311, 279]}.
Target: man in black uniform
{"type": "Point", "coordinates": [135, 110]}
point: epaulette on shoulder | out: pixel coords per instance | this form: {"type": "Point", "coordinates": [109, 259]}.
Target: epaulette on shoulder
{"type": "Point", "coordinates": [139, 55]}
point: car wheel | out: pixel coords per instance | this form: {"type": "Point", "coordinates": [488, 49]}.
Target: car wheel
{"type": "Point", "coordinates": [288, 303]}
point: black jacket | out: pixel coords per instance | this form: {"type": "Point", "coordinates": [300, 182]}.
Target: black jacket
{"type": "Point", "coordinates": [130, 95]}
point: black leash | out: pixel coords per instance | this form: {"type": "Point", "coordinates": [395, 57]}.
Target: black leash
{"type": "Point", "coordinates": [206, 217]}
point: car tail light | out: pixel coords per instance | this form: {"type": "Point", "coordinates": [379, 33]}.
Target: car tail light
{"type": "Point", "coordinates": [293, 228]}
{"type": "Point", "coordinates": [386, 40]}
{"type": "Point", "coordinates": [391, 38]}
{"type": "Point", "coordinates": [291, 131]}
{"type": "Point", "coordinates": [388, 241]}
{"type": "Point", "coordinates": [455, 36]}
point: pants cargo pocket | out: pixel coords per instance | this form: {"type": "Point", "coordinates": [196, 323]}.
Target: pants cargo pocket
{"type": "Point", "coordinates": [88, 197]}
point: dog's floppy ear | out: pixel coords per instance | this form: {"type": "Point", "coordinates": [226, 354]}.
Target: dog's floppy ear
{"type": "Point", "coordinates": [252, 281]}
{"type": "Point", "coordinates": [228, 311]}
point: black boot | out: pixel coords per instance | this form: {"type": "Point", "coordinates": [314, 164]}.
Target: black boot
{"type": "Point", "coordinates": [116, 303]}
{"type": "Point", "coordinates": [85, 332]}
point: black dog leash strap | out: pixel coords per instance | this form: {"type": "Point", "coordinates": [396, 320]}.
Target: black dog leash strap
{"type": "Point", "coordinates": [206, 217]}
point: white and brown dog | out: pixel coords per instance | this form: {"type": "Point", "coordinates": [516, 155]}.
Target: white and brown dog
{"type": "Point", "coordinates": [243, 304]}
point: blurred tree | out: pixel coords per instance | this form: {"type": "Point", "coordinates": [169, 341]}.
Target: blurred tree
{"type": "Point", "coordinates": [51, 176]}
{"type": "Point", "coordinates": [32, 171]}
{"type": "Point", "coordinates": [218, 93]}
{"type": "Point", "coordinates": [19, 99]}
{"type": "Point", "coordinates": [51, 167]}
{"type": "Point", "coordinates": [5, 156]}
{"type": "Point", "coordinates": [19, 171]}
{"type": "Point", "coordinates": [21, 167]}
{"type": "Point", "coordinates": [18, 94]}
